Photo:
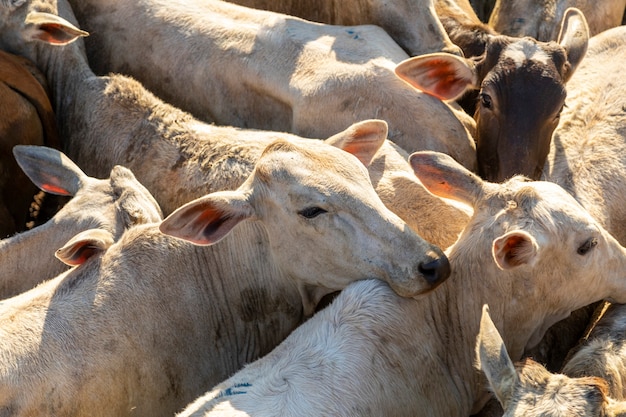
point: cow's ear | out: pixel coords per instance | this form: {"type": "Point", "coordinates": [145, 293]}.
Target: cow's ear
{"type": "Point", "coordinates": [362, 139]}
{"type": "Point", "coordinates": [494, 361]}
{"type": "Point", "coordinates": [49, 169]}
{"type": "Point", "coordinates": [84, 246]}
{"type": "Point", "coordinates": [442, 75]}
{"type": "Point", "coordinates": [51, 29]}
{"type": "Point", "coordinates": [514, 249]}
{"type": "Point", "coordinates": [445, 177]}
{"type": "Point", "coordinates": [208, 219]}
{"type": "Point", "coordinates": [574, 38]}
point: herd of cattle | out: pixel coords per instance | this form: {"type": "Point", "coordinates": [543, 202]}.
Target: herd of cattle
{"type": "Point", "coordinates": [397, 211]}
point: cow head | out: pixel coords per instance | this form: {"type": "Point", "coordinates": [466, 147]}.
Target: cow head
{"type": "Point", "coordinates": [521, 92]}
{"type": "Point", "coordinates": [528, 389]}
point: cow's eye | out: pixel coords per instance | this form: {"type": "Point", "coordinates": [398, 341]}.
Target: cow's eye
{"type": "Point", "coordinates": [311, 212]}
{"type": "Point", "coordinates": [589, 244]}
{"type": "Point", "coordinates": [558, 115]}
{"type": "Point", "coordinates": [485, 100]}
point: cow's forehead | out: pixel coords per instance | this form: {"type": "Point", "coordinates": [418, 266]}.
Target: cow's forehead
{"type": "Point", "coordinates": [286, 161]}
{"type": "Point", "coordinates": [526, 50]}
{"type": "Point", "coordinates": [561, 399]}
{"type": "Point", "coordinates": [546, 190]}
{"type": "Point", "coordinates": [518, 56]}
{"type": "Point", "coordinates": [532, 195]}
{"type": "Point", "coordinates": [541, 393]}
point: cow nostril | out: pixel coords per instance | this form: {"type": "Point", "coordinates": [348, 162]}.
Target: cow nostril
{"type": "Point", "coordinates": [435, 271]}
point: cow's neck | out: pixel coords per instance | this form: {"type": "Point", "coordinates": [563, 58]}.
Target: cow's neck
{"type": "Point", "coordinates": [571, 142]}
{"type": "Point", "coordinates": [76, 94]}
{"type": "Point", "coordinates": [456, 317]}
{"type": "Point", "coordinates": [456, 308]}
{"type": "Point", "coordinates": [107, 121]}
{"type": "Point", "coordinates": [260, 304]}
{"type": "Point", "coordinates": [228, 302]}
{"type": "Point", "coordinates": [65, 67]}
{"type": "Point", "coordinates": [23, 269]}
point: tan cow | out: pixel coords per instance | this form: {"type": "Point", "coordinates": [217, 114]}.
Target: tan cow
{"type": "Point", "coordinates": [586, 152]}
{"type": "Point", "coordinates": [530, 250]}
{"type": "Point", "coordinates": [145, 325]}
{"type": "Point", "coordinates": [603, 352]}
{"type": "Point", "coordinates": [540, 19]}
{"type": "Point", "coordinates": [113, 204]}
{"type": "Point", "coordinates": [437, 220]}
{"type": "Point", "coordinates": [120, 122]}
{"type": "Point", "coordinates": [114, 120]}
{"type": "Point", "coordinates": [587, 148]}
{"type": "Point", "coordinates": [586, 155]}
{"type": "Point", "coordinates": [414, 25]}
{"type": "Point", "coordinates": [120, 202]}
{"type": "Point", "coordinates": [521, 87]}
{"type": "Point", "coordinates": [26, 118]}
{"type": "Point", "coordinates": [529, 390]}
{"type": "Point", "coordinates": [266, 70]}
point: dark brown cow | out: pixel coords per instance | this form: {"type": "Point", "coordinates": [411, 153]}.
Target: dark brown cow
{"type": "Point", "coordinates": [26, 117]}
{"type": "Point", "coordinates": [521, 88]}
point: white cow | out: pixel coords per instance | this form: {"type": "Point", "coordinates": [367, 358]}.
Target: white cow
{"type": "Point", "coordinates": [113, 204]}
{"type": "Point", "coordinates": [527, 389]}
{"type": "Point", "coordinates": [530, 250]}
{"type": "Point", "coordinates": [414, 25]}
{"type": "Point", "coordinates": [266, 70]}
{"type": "Point", "coordinates": [540, 19]}
{"type": "Point", "coordinates": [586, 159]}
{"type": "Point", "coordinates": [147, 324]}
{"type": "Point", "coordinates": [114, 120]}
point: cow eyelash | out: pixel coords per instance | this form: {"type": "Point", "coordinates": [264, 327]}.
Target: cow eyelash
{"type": "Point", "coordinates": [589, 244]}
{"type": "Point", "coordinates": [485, 100]}
{"type": "Point", "coordinates": [558, 115]}
{"type": "Point", "coordinates": [311, 212]}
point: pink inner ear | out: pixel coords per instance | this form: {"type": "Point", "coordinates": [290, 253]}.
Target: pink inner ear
{"type": "Point", "coordinates": [81, 255]}
{"type": "Point", "coordinates": [513, 249]}
{"type": "Point", "coordinates": [53, 189]}
{"type": "Point", "coordinates": [432, 178]}
{"type": "Point", "coordinates": [54, 34]}
{"type": "Point", "coordinates": [200, 224]}
{"type": "Point", "coordinates": [443, 77]}
{"type": "Point", "coordinates": [445, 74]}
{"type": "Point", "coordinates": [364, 151]}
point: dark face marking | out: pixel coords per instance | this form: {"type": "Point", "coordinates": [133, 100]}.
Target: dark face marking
{"type": "Point", "coordinates": [521, 97]}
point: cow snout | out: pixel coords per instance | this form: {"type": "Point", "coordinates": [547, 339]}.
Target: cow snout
{"type": "Point", "coordinates": [436, 270]}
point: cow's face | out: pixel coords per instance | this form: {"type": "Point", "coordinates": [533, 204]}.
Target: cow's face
{"type": "Point", "coordinates": [522, 91]}
{"type": "Point", "coordinates": [518, 108]}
